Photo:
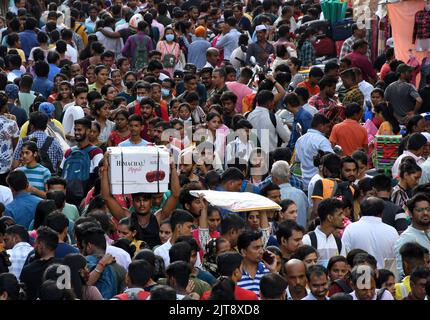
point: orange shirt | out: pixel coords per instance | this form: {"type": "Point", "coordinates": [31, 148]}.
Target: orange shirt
{"type": "Point", "coordinates": [312, 90]}
{"type": "Point", "coordinates": [350, 135]}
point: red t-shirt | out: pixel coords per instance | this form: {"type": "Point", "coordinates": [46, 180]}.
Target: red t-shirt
{"type": "Point", "coordinates": [239, 294]}
{"type": "Point", "coordinates": [116, 139]}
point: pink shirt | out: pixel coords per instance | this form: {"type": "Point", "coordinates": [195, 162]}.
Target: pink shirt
{"type": "Point", "coordinates": [240, 90]}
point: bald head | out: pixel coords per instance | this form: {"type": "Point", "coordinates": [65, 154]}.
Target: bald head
{"type": "Point", "coordinates": [295, 275]}
{"type": "Point", "coordinates": [294, 266]}
{"type": "Point", "coordinates": [372, 206]}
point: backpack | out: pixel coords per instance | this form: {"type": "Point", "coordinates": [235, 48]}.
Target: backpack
{"type": "Point", "coordinates": [314, 241]}
{"type": "Point", "coordinates": [169, 59]}
{"type": "Point", "coordinates": [43, 154]}
{"type": "Point", "coordinates": [342, 284]}
{"type": "Point", "coordinates": [380, 293]}
{"type": "Point", "coordinates": [141, 295]}
{"type": "Point", "coordinates": [76, 171]}
{"type": "Point", "coordinates": [274, 122]}
{"type": "Point", "coordinates": [140, 59]}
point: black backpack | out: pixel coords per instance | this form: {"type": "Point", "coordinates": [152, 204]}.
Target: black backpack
{"type": "Point", "coordinates": [314, 241]}
{"type": "Point", "coordinates": [43, 153]}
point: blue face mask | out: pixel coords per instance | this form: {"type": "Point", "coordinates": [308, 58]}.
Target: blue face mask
{"type": "Point", "coordinates": [165, 92]}
{"type": "Point", "coordinates": [170, 37]}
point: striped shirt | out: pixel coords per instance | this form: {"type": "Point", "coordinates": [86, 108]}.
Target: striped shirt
{"type": "Point", "coordinates": [36, 176]}
{"type": "Point", "coordinates": [253, 284]}
{"type": "Point", "coordinates": [399, 196]}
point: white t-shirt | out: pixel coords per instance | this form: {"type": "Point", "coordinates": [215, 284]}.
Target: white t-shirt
{"type": "Point", "coordinates": [72, 113]}
{"type": "Point", "coordinates": [72, 54]}
{"type": "Point", "coordinates": [121, 256]}
{"type": "Point", "coordinates": [6, 196]}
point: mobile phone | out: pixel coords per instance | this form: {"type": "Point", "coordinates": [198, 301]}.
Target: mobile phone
{"type": "Point", "coordinates": [267, 257]}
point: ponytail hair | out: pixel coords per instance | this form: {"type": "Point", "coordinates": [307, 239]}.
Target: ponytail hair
{"type": "Point", "coordinates": [408, 166]}
{"type": "Point", "coordinates": [387, 112]}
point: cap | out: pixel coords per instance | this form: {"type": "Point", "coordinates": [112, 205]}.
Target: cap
{"type": "Point", "coordinates": [427, 135]}
{"type": "Point", "coordinates": [200, 31]}
{"type": "Point", "coordinates": [402, 68]}
{"type": "Point", "coordinates": [178, 74]}
{"type": "Point", "coordinates": [260, 27]}
{"type": "Point", "coordinates": [390, 42]}
{"type": "Point", "coordinates": [48, 108]}
{"type": "Point", "coordinates": [12, 91]}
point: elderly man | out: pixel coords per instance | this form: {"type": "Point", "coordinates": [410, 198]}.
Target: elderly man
{"type": "Point", "coordinates": [281, 176]}
{"type": "Point", "coordinates": [212, 56]}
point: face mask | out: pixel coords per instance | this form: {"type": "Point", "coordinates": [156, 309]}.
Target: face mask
{"type": "Point", "coordinates": [170, 37]}
{"type": "Point", "coordinates": [139, 98]}
{"type": "Point", "coordinates": [129, 85]}
{"type": "Point", "coordinates": [165, 92]}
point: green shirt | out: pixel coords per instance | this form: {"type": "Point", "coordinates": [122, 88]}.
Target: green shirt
{"type": "Point", "coordinates": [71, 212]}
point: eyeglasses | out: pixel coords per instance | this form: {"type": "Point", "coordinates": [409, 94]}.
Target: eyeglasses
{"type": "Point", "coordinates": [420, 210]}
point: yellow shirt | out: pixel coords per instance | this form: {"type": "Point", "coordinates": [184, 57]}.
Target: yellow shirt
{"type": "Point", "coordinates": [24, 128]}
{"type": "Point", "coordinates": [20, 52]}
{"type": "Point", "coordinates": [403, 288]}
{"type": "Point", "coordinates": [385, 129]}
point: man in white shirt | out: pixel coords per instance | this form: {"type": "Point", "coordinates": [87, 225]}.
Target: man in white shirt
{"type": "Point", "coordinates": [18, 247]}
{"type": "Point", "coordinates": [415, 149]}
{"type": "Point", "coordinates": [308, 146]}
{"type": "Point", "coordinates": [181, 222]}
{"type": "Point", "coordinates": [330, 212]}
{"type": "Point", "coordinates": [370, 233]}
{"type": "Point", "coordinates": [365, 87]}
{"type": "Point", "coordinates": [364, 289]}
{"type": "Point", "coordinates": [318, 283]}
{"type": "Point", "coordinates": [6, 196]}
{"type": "Point", "coordinates": [71, 52]}
{"type": "Point", "coordinates": [75, 112]}
{"type": "Point", "coordinates": [270, 128]}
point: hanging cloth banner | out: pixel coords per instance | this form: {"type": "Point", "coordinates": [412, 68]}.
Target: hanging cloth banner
{"type": "Point", "coordinates": [364, 10]}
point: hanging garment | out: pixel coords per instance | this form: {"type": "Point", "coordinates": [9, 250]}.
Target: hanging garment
{"type": "Point", "coordinates": [413, 62]}
{"type": "Point", "coordinates": [421, 34]}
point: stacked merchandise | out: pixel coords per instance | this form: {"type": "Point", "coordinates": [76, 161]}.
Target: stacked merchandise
{"type": "Point", "coordinates": [386, 152]}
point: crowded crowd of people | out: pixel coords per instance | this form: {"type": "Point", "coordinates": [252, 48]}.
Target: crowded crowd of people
{"type": "Point", "coordinates": [239, 96]}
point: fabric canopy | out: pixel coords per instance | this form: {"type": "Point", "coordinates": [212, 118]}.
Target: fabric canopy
{"type": "Point", "coordinates": [237, 201]}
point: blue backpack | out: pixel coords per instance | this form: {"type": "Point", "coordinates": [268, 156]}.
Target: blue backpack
{"type": "Point", "coordinates": [76, 171]}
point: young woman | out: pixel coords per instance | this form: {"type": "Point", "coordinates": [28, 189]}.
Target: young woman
{"type": "Point", "coordinates": [258, 166]}
{"type": "Point", "coordinates": [170, 50]}
{"type": "Point", "coordinates": [165, 231]}
{"type": "Point", "coordinates": [184, 112]}
{"type": "Point", "coordinates": [288, 210]}
{"type": "Point", "coordinates": [64, 97]}
{"type": "Point", "coordinates": [338, 270]}
{"type": "Point", "coordinates": [295, 64]}
{"type": "Point", "coordinates": [121, 132]}
{"type": "Point", "coordinates": [130, 79]}
{"type": "Point", "coordinates": [109, 92]}
{"type": "Point", "coordinates": [94, 136]}
{"type": "Point", "coordinates": [253, 220]}
{"type": "Point", "coordinates": [90, 74]}
{"type": "Point", "coordinates": [307, 254]}
{"type": "Point", "coordinates": [389, 124]}
{"type": "Point", "coordinates": [56, 89]}
{"type": "Point", "coordinates": [37, 174]}
{"type": "Point", "coordinates": [79, 276]}
{"type": "Point", "coordinates": [213, 249]}
{"type": "Point", "coordinates": [306, 51]}
{"type": "Point", "coordinates": [386, 279]}
{"type": "Point", "coordinates": [115, 75]}
{"type": "Point", "coordinates": [174, 109]}
{"type": "Point", "coordinates": [101, 73]}
{"type": "Point", "coordinates": [410, 174]}
{"type": "Point", "coordinates": [209, 221]}
{"type": "Point", "coordinates": [128, 231]}
{"type": "Point", "coordinates": [101, 112]}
